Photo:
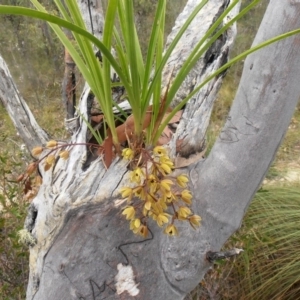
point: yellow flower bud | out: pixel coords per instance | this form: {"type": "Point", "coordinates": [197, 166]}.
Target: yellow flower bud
{"type": "Point", "coordinates": [165, 169]}
{"type": "Point", "coordinates": [167, 161]}
{"type": "Point", "coordinates": [182, 180]}
{"type": "Point", "coordinates": [36, 151]}
{"type": "Point", "coordinates": [51, 144]}
{"type": "Point", "coordinates": [183, 212]}
{"type": "Point", "coordinates": [195, 220]}
{"type": "Point", "coordinates": [137, 223]}
{"type": "Point", "coordinates": [50, 159]}
{"type": "Point", "coordinates": [64, 154]}
{"type": "Point", "coordinates": [186, 196]}
{"type": "Point", "coordinates": [38, 180]}
{"type": "Point", "coordinates": [132, 226]}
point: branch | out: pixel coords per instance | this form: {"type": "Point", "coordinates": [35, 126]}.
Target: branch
{"type": "Point", "coordinates": [18, 110]}
{"type": "Point", "coordinates": [225, 183]}
{"type": "Point", "coordinates": [191, 132]}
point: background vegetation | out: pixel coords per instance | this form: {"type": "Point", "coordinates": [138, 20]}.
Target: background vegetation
{"type": "Point", "coordinates": [267, 269]}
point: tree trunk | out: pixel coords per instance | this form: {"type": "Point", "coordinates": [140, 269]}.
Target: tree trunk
{"type": "Point", "coordinates": [84, 247]}
{"type": "Point", "coordinates": [69, 83]}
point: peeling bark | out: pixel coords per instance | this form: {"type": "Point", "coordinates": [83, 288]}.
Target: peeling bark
{"type": "Point", "coordinates": [195, 120]}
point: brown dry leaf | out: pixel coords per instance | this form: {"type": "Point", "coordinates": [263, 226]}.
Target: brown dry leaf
{"type": "Point", "coordinates": [176, 118]}
{"type": "Point", "coordinates": [165, 137]}
{"type": "Point", "coordinates": [167, 133]}
{"type": "Point", "coordinates": [126, 130]}
{"type": "Point", "coordinates": [181, 162]}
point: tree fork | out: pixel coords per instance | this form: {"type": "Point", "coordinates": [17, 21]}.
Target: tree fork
{"type": "Point", "coordinates": [85, 249]}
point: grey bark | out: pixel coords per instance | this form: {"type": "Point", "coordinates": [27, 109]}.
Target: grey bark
{"type": "Point", "coordinates": [83, 242]}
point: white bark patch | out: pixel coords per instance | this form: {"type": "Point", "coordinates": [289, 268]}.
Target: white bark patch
{"type": "Point", "coordinates": [125, 281]}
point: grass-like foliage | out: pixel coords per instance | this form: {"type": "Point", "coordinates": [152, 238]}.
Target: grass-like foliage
{"type": "Point", "coordinates": [269, 266]}
{"type": "Point", "coordinates": [140, 77]}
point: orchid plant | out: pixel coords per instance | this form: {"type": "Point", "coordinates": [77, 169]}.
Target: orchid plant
{"type": "Point", "coordinates": [151, 177]}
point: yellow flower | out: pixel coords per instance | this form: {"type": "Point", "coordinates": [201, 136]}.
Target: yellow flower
{"type": "Point", "coordinates": [51, 144]}
{"type": "Point", "coordinates": [139, 192]}
{"type": "Point", "coordinates": [171, 230]}
{"type": "Point", "coordinates": [160, 151]}
{"type": "Point", "coordinates": [195, 220]}
{"type": "Point", "coordinates": [64, 154]}
{"type": "Point", "coordinates": [137, 175]}
{"type": "Point", "coordinates": [129, 212]}
{"type": "Point", "coordinates": [169, 197]}
{"type": "Point", "coordinates": [183, 212]}
{"type": "Point", "coordinates": [182, 180]}
{"type": "Point", "coordinates": [162, 218]}
{"type": "Point", "coordinates": [126, 192]}
{"type": "Point", "coordinates": [127, 153]}
{"type": "Point", "coordinates": [152, 183]}
{"type": "Point", "coordinates": [186, 196]}
{"type": "Point", "coordinates": [143, 230]}
{"type": "Point", "coordinates": [36, 151]}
